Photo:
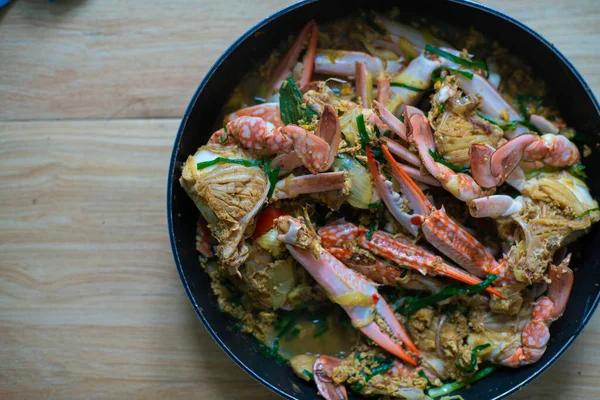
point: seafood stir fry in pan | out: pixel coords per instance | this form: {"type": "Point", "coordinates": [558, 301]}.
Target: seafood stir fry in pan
{"type": "Point", "coordinates": [389, 213]}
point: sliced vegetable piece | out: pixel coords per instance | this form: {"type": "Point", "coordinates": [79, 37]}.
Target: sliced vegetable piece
{"type": "Point", "coordinates": [412, 304]}
{"type": "Point", "coordinates": [264, 221]}
{"type": "Point", "coordinates": [281, 282]}
{"type": "Point", "coordinates": [456, 59]}
{"type": "Point", "coordinates": [466, 74]}
{"type": "Point", "coordinates": [452, 386]}
{"type": "Point", "coordinates": [269, 242]}
{"type": "Point", "coordinates": [438, 158]}
{"type": "Point", "coordinates": [362, 192]}
{"type": "Point", "coordinates": [583, 214]}
{"type": "Point", "coordinates": [362, 130]}
{"type": "Point", "coordinates": [291, 104]}
{"type": "Point", "coordinates": [403, 85]}
{"type": "Point", "coordinates": [473, 361]}
{"type": "Point", "coordinates": [248, 163]}
{"type": "Point", "coordinates": [578, 171]}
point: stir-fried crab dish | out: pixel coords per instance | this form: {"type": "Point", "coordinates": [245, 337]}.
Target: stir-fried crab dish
{"type": "Point", "coordinates": [391, 209]}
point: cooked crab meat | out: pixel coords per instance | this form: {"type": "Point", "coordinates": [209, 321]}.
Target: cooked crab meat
{"type": "Point", "coordinates": [227, 195]}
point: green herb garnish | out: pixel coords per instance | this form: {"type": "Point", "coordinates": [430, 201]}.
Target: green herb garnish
{"type": "Point", "coordinates": [505, 126]}
{"type": "Point", "coordinates": [372, 226]}
{"type": "Point", "coordinates": [377, 153]}
{"type": "Point", "coordinates": [383, 366]}
{"type": "Point", "coordinates": [473, 362]}
{"type": "Point", "coordinates": [523, 108]}
{"type": "Point", "coordinates": [377, 133]}
{"type": "Point", "coordinates": [375, 205]}
{"type": "Point", "coordinates": [357, 387]}
{"type": "Point", "coordinates": [405, 86]}
{"type": "Point", "coordinates": [423, 375]}
{"type": "Point", "coordinates": [583, 214]}
{"type": "Point", "coordinates": [466, 74]}
{"type": "Point", "coordinates": [441, 107]}
{"type": "Point", "coordinates": [291, 105]}
{"type": "Point", "coordinates": [308, 374]}
{"type": "Point", "coordinates": [438, 158]}
{"type": "Point", "coordinates": [272, 175]}
{"type": "Point", "coordinates": [248, 163]}
{"type": "Point", "coordinates": [578, 171]}
{"type": "Point", "coordinates": [321, 326]}
{"type": "Point", "coordinates": [456, 59]}
{"type": "Point", "coordinates": [362, 130]}
{"type": "Point", "coordinates": [452, 386]}
{"type": "Point", "coordinates": [413, 304]}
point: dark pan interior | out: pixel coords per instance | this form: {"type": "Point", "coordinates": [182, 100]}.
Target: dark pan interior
{"type": "Point", "coordinates": [576, 102]}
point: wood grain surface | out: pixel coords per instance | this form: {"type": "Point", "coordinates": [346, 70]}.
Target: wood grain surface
{"type": "Point", "coordinates": [91, 92]}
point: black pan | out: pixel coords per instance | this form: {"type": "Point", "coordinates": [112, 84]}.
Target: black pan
{"type": "Point", "coordinates": [575, 100]}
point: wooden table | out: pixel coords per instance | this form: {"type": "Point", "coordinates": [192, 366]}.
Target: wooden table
{"type": "Point", "coordinates": [91, 95]}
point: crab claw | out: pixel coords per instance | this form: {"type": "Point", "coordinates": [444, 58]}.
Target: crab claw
{"type": "Point", "coordinates": [357, 295]}
{"type": "Point", "coordinates": [257, 134]}
{"type": "Point", "coordinates": [491, 167]}
{"type": "Point", "coordinates": [404, 253]}
{"type": "Point", "coordinates": [386, 273]}
{"type": "Point", "coordinates": [322, 371]}
{"type": "Point", "coordinates": [440, 230]}
{"type": "Point", "coordinates": [329, 131]}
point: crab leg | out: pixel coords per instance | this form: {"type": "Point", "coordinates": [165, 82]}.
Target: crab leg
{"type": "Point", "coordinates": [383, 89]}
{"type": "Point", "coordinates": [338, 280]}
{"type": "Point", "coordinates": [439, 229]}
{"type": "Point", "coordinates": [404, 253]}
{"type": "Point", "coordinates": [385, 273]}
{"type": "Point", "coordinates": [390, 120]}
{"type": "Point", "coordinates": [398, 250]}
{"type": "Point", "coordinates": [414, 173]}
{"type": "Point", "coordinates": [308, 62]}
{"type": "Point", "coordinates": [290, 58]}
{"type": "Point", "coordinates": [491, 167]}
{"type": "Point", "coordinates": [364, 84]}
{"type": "Point", "coordinates": [296, 185]}
{"type": "Point", "coordinates": [402, 152]}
